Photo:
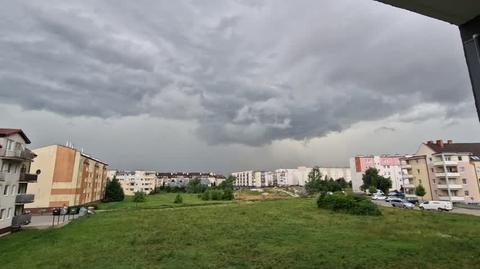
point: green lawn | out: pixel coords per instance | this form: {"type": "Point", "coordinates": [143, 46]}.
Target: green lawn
{"type": "Point", "coordinates": [289, 233]}
{"type": "Point", "coordinates": [164, 200]}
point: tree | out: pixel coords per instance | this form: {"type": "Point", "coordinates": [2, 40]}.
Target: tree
{"type": "Point", "coordinates": [314, 183]}
{"type": "Point", "coordinates": [196, 186]}
{"type": "Point", "coordinates": [372, 178]}
{"type": "Point", "coordinates": [140, 197]}
{"type": "Point", "coordinates": [227, 184]}
{"type": "Point", "coordinates": [420, 191]}
{"type": "Point", "coordinates": [113, 191]}
{"type": "Point", "coordinates": [372, 189]}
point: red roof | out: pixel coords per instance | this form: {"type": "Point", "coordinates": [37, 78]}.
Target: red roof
{"type": "Point", "coordinates": [451, 147]}
{"type": "Point", "coordinates": [4, 132]}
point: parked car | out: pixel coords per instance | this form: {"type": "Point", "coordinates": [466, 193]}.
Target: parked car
{"type": "Point", "coordinates": [56, 211]}
{"type": "Point", "coordinates": [377, 196]}
{"type": "Point", "coordinates": [436, 205]}
{"type": "Point", "coordinates": [398, 202]}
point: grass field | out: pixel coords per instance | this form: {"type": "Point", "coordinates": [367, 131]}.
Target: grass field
{"type": "Point", "coordinates": [164, 200]}
{"type": "Point", "coordinates": [289, 233]}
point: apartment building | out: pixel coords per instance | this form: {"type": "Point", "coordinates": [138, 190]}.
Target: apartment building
{"type": "Point", "coordinates": [135, 181]}
{"type": "Point", "coordinates": [415, 172]}
{"type": "Point", "coordinates": [450, 169]}
{"type": "Point", "coordinates": [69, 178]}
{"type": "Point", "coordinates": [244, 179]}
{"type": "Point", "coordinates": [181, 179]}
{"type": "Point", "coordinates": [388, 165]}
{"type": "Point", "coordinates": [15, 162]}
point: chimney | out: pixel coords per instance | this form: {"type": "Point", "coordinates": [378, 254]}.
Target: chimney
{"type": "Point", "coordinates": [440, 143]}
{"type": "Point", "coordinates": [430, 142]}
{"type": "Point", "coordinates": [449, 141]}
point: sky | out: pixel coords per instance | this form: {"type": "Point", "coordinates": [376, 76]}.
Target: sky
{"type": "Point", "coordinates": [229, 85]}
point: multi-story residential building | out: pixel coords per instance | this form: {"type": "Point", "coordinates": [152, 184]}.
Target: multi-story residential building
{"type": "Point", "coordinates": [181, 179]}
{"type": "Point", "coordinates": [244, 179]}
{"type": "Point", "coordinates": [388, 165]}
{"type": "Point", "coordinates": [415, 173]}
{"type": "Point", "coordinates": [286, 177]}
{"type": "Point", "coordinates": [69, 178]}
{"type": "Point", "coordinates": [135, 181]}
{"type": "Point", "coordinates": [452, 170]}
{"type": "Point", "coordinates": [15, 161]}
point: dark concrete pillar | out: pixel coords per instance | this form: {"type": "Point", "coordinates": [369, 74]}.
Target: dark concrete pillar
{"type": "Point", "coordinates": [470, 33]}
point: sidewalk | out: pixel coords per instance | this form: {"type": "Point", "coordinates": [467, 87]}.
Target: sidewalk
{"type": "Point", "coordinates": [49, 221]}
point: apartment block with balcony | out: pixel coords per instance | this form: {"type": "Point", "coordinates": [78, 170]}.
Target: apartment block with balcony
{"type": "Point", "coordinates": [388, 166]}
{"type": "Point", "coordinates": [453, 175]}
{"type": "Point", "coordinates": [15, 162]}
{"type": "Point", "coordinates": [244, 179]}
{"type": "Point", "coordinates": [416, 173]}
{"type": "Point", "coordinates": [181, 179]}
{"type": "Point", "coordinates": [69, 178]}
{"type": "Point", "coordinates": [135, 181]}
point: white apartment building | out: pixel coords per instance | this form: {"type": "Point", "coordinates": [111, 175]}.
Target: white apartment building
{"type": "Point", "coordinates": [15, 160]}
{"type": "Point", "coordinates": [388, 165]}
{"type": "Point", "coordinates": [244, 179]}
{"type": "Point", "coordinates": [181, 179]}
{"type": "Point", "coordinates": [135, 181]}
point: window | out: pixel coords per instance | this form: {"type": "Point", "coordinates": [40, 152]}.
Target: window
{"type": "Point", "coordinates": [2, 213]}
{"type": "Point", "coordinates": [14, 187]}
{"type": "Point", "coordinates": [432, 170]}
{"type": "Point", "coordinates": [464, 180]}
{"type": "Point", "coordinates": [433, 181]}
{"type": "Point", "coordinates": [5, 191]}
{"type": "Point", "coordinates": [9, 213]}
{"type": "Point", "coordinates": [459, 158]}
{"type": "Point", "coordinates": [467, 193]}
{"type": "Point", "coordinates": [418, 171]}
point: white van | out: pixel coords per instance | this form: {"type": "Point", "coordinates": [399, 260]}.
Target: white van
{"type": "Point", "coordinates": [436, 205]}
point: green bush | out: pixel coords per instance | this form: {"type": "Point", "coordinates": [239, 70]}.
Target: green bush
{"type": "Point", "coordinates": [113, 191]}
{"type": "Point", "coordinates": [140, 197]}
{"type": "Point", "coordinates": [216, 195]}
{"type": "Point", "coordinates": [205, 196]}
{"type": "Point", "coordinates": [347, 203]}
{"type": "Point", "coordinates": [178, 199]}
{"type": "Point", "coordinates": [228, 195]}
{"type": "Point", "coordinates": [196, 186]}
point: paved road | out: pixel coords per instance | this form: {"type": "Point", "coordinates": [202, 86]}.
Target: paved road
{"type": "Point", "coordinates": [457, 210]}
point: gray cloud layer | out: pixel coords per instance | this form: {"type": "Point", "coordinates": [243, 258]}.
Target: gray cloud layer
{"type": "Point", "coordinates": [247, 72]}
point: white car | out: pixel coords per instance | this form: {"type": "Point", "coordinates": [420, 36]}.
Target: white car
{"type": "Point", "coordinates": [378, 196]}
{"type": "Point", "coordinates": [436, 205]}
{"type": "Point", "coordinates": [397, 202]}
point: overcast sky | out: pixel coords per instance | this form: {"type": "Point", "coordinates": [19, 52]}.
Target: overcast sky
{"type": "Point", "coordinates": [219, 85]}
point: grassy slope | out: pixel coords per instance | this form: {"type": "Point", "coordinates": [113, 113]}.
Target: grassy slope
{"type": "Point", "coordinates": [273, 234]}
{"type": "Point", "coordinates": [159, 201]}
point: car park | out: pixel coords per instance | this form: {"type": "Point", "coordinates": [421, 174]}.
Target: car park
{"type": "Point", "coordinates": [436, 205]}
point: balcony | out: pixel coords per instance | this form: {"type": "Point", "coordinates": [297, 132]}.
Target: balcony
{"type": "Point", "coordinates": [20, 155]}
{"type": "Point", "coordinates": [452, 186]}
{"type": "Point", "coordinates": [409, 186]}
{"type": "Point", "coordinates": [24, 198]}
{"type": "Point", "coordinates": [29, 178]}
{"type": "Point", "coordinates": [448, 174]}
{"type": "Point", "coordinates": [454, 198]}
{"type": "Point", "coordinates": [2, 176]}
{"type": "Point", "coordinates": [447, 163]}
{"type": "Point", "coordinates": [22, 219]}
{"type": "Point", "coordinates": [406, 166]}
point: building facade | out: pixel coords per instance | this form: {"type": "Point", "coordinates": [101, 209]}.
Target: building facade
{"type": "Point", "coordinates": [452, 170]}
{"type": "Point", "coordinates": [388, 165]}
{"type": "Point", "coordinates": [415, 172]}
{"type": "Point", "coordinates": [15, 162]}
{"type": "Point", "coordinates": [69, 178]}
{"type": "Point", "coordinates": [181, 179]}
{"type": "Point", "coordinates": [135, 181]}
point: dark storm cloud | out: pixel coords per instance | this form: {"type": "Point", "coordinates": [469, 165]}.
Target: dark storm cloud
{"type": "Point", "coordinates": [246, 71]}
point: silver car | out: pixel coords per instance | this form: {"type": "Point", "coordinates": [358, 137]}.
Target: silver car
{"type": "Point", "coordinates": [397, 202]}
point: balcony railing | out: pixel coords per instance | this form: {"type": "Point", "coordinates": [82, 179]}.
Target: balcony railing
{"type": "Point", "coordinates": [2, 176]}
{"type": "Point", "coordinates": [454, 198]}
{"type": "Point", "coordinates": [448, 174]}
{"type": "Point", "coordinates": [22, 219]}
{"type": "Point", "coordinates": [452, 186]}
{"type": "Point", "coordinates": [24, 154]}
{"type": "Point", "coordinates": [30, 178]}
{"type": "Point", "coordinates": [447, 163]}
{"type": "Point", "coordinates": [24, 198]}
{"type": "Point", "coordinates": [409, 186]}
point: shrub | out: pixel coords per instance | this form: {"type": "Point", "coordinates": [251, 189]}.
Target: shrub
{"type": "Point", "coordinates": [139, 197]}
{"type": "Point", "coordinates": [340, 202]}
{"type": "Point", "coordinates": [178, 199]}
{"type": "Point", "coordinates": [196, 186]}
{"type": "Point", "coordinates": [228, 195]}
{"type": "Point", "coordinates": [205, 196]}
{"type": "Point", "coordinates": [216, 195]}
